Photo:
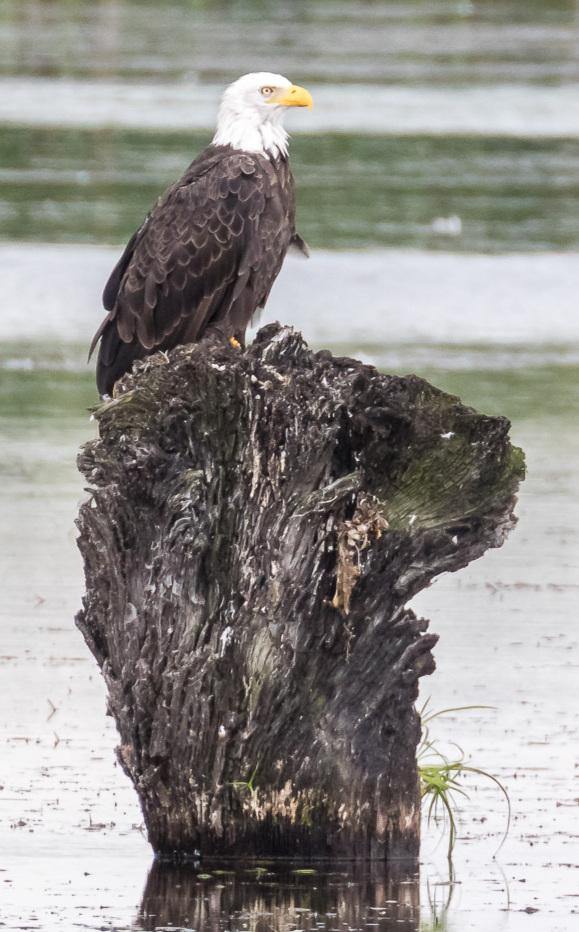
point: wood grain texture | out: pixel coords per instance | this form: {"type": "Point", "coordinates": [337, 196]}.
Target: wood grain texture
{"type": "Point", "coordinates": [257, 523]}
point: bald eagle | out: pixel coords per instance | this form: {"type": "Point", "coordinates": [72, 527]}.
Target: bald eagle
{"type": "Point", "coordinates": [206, 256]}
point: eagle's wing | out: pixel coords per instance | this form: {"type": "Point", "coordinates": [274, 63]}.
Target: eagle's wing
{"type": "Point", "coordinates": [196, 251]}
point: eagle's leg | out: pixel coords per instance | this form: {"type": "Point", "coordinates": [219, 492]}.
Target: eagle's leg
{"type": "Point", "coordinates": [219, 333]}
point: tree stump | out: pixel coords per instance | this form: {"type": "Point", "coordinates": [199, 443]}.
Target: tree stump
{"type": "Point", "coordinates": [256, 524]}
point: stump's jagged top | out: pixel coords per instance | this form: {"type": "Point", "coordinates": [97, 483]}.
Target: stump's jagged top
{"type": "Point", "coordinates": [257, 524]}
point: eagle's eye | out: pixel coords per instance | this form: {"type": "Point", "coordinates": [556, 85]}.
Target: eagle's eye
{"type": "Point", "coordinates": [267, 91]}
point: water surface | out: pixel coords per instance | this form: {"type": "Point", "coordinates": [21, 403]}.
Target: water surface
{"type": "Point", "coordinates": [418, 42]}
{"type": "Point", "coordinates": [70, 820]}
{"type": "Point", "coordinates": [450, 180]}
{"type": "Point", "coordinates": [354, 191]}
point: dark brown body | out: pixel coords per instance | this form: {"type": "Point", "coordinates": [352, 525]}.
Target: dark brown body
{"type": "Point", "coordinates": [203, 261]}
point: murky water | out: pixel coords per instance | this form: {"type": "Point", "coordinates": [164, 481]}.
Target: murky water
{"type": "Point", "coordinates": [422, 41]}
{"type": "Point", "coordinates": [443, 156]}
{"type": "Point", "coordinates": [353, 191]}
{"type": "Point", "coordinates": [71, 844]}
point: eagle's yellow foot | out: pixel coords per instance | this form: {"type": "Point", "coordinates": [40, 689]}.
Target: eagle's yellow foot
{"type": "Point", "coordinates": [234, 343]}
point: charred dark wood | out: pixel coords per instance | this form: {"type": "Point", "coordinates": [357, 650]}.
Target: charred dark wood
{"type": "Point", "coordinates": [256, 525]}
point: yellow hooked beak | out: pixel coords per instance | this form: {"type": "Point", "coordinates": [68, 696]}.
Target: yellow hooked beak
{"type": "Point", "coordinates": [294, 96]}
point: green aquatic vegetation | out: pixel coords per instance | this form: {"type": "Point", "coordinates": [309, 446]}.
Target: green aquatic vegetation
{"type": "Point", "coordinates": [437, 922]}
{"type": "Point", "coordinates": [441, 779]}
{"type": "Point", "coordinates": [248, 784]}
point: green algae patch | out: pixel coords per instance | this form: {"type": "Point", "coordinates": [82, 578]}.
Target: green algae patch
{"type": "Point", "coordinates": [460, 465]}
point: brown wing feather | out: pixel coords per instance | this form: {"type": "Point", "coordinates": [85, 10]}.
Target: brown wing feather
{"type": "Point", "coordinates": [204, 259]}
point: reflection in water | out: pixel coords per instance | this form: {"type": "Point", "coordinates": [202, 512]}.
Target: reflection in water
{"type": "Point", "coordinates": [274, 897]}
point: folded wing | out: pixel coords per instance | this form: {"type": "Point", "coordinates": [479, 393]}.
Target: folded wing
{"type": "Point", "coordinates": [203, 260]}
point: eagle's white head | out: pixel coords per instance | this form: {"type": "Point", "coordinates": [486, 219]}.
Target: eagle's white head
{"type": "Point", "coordinates": [252, 111]}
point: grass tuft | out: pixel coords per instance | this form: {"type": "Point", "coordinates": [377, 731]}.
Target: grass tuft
{"type": "Point", "coordinates": [440, 777]}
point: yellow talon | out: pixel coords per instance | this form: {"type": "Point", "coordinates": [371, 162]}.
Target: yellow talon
{"type": "Point", "coordinates": [235, 343]}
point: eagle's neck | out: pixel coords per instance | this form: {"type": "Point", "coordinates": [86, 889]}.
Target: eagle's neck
{"type": "Point", "coordinates": [247, 131]}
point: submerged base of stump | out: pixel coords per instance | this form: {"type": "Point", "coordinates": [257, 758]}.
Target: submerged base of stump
{"type": "Point", "coordinates": [257, 523]}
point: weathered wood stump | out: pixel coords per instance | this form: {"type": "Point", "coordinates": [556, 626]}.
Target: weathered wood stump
{"type": "Point", "coordinates": [257, 522]}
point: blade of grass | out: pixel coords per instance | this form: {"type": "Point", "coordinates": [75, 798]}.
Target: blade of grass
{"type": "Point", "coordinates": [442, 780]}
